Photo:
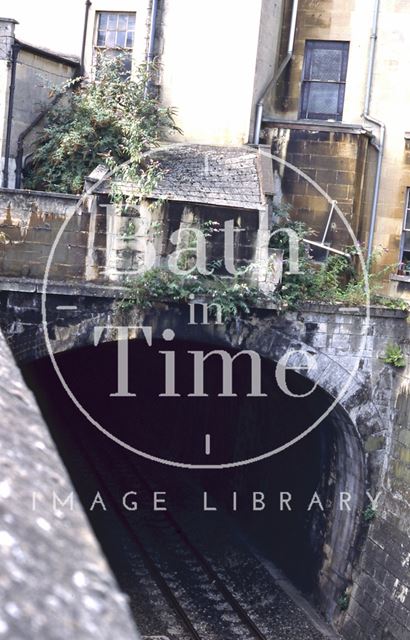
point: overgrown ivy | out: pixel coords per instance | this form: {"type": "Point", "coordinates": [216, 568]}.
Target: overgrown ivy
{"type": "Point", "coordinates": [109, 120]}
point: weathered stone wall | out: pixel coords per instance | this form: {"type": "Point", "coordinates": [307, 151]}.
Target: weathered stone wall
{"type": "Point", "coordinates": [37, 76]}
{"type": "Point", "coordinates": [37, 79]}
{"type": "Point", "coordinates": [325, 20]}
{"type": "Point", "coordinates": [379, 605]}
{"type": "Point", "coordinates": [29, 223]}
{"type": "Point", "coordinates": [212, 107]}
{"type": "Point", "coordinates": [351, 21]}
{"type": "Point", "coordinates": [99, 246]}
{"type": "Point", "coordinates": [54, 580]}
{"type": "Point", "coordinates": [369, 562]}
{"type": "Point", "coordinates": [380, 599]}
{"type": "Point", "coordinates": [336, 161]}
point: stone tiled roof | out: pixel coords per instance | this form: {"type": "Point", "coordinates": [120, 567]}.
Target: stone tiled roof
{"type": "Point", "coordinates": [237, 177]}
{"type": "Point", "coordinates": [223, 176]}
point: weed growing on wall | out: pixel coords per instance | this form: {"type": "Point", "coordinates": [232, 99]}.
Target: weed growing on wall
{"type": "Point", "coordinates": [394, 355]}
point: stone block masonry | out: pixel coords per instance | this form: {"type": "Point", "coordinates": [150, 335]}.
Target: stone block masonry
{"type": "Point", "coordinates": [336, 162]}
{"type": "Point", "coordinates": [29, 223]}
{"type": "Point", "coordinates": [369, 563]}
{"type": "Point", "coordinates": [55, 582]}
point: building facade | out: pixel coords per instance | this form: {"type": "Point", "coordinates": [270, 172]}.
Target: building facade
{"type": "Point", "coordinates": [28, 78]}
{"type": "Point", "coordinates": [322, 83]}
{"type": "Point", "coordinates": [338, 111]}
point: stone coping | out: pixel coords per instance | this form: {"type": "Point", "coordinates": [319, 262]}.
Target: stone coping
{"type": "Point", "coordinates": [40, 194]}
{"type": "Point", "coordinates": [55, 581]}
{"type": "Point", "coordinates": [31, 285]}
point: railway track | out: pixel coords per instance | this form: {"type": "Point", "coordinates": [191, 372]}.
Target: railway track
{"type": "Point", "coordinates": [185, 577]}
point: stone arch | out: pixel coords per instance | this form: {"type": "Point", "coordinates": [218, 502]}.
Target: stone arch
{"type": "Point", "coordinates": [355, 415]}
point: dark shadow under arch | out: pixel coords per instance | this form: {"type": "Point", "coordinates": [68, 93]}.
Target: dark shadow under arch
{"type": "Point", "coordinates": [315, 549]}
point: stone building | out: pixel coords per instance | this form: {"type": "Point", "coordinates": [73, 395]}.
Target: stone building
{"type": "Point", "coordinates": [28, 78]}
{"type": "Point", "coordinates": [316, 80]}
{"type": "Point", "coordinates": [333, 110]}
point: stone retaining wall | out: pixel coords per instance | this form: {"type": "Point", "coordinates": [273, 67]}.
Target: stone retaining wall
{"type": "Point", "coordinates": [54, 579]}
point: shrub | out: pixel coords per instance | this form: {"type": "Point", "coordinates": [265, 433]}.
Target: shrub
{"type": "Point", "coordinates": [107, 120]}
{"type": "Point", "coordinates": [369, 514]}
{"type": "Point", "coordinates": [335, 281]}
{"type": "Point", "coordinates": [234, 295]}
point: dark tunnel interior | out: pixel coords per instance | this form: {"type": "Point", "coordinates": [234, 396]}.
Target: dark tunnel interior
{"type": "Point", "coordinates": [175, 428]}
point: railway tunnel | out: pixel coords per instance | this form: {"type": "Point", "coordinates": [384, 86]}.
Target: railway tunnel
{"type": "Point", "coordinates": [297, 511]}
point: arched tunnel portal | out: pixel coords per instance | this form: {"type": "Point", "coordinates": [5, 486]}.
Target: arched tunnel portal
{"type": "Point", "coordinates": [300, 508]}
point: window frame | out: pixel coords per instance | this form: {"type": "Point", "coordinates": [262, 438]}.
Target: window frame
{"type": "Point", "coordinates": [118, 14]}
{"type": "Point", "coordinates": [101, 49]}
{"type": "Point", "coordinates": [306, 82]}
{"type": "Point", "coordinates": [405, 229]}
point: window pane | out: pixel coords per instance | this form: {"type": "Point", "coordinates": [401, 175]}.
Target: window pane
{"type": "Point", "coordinates": [101, 39]}
{"type": "Point", "coordinates": [112, 20]}
{"type": "Point", "coordinates": [324, 75]}
{"type": "Point", "coordinates": [323, 98]}
{"type": "Point", "coordinates": [110, 39]}
{"type": "Point", "coordinates": [115, 30]}
{"type": "Point", "coordinates": [103, 20]}
{"type": "Point", "coordinates": [326, 65]}
{"type": "Point", "coordinates": [122, 22]}
{"type": "Point", "coordinates": [121, 39]}
{"type": "Point", "coordinates": [130, 40]}
{"type": "Point", "coordinates": [406, 241]}
{"type": "Point", "coordinates": [407, 219]}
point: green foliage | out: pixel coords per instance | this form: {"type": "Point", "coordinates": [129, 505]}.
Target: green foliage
{"type": "Point", "coordinates": [343, 601]}
{"type": "Point", "coordinates": [394, 355]}
{"type": "Point", "coordinates": [234, 295]}
{"type": "Point", "coordinates": [369, 514]}
{"type": "Point", "coordinates": [107, 120]}
{"type": "Point", "coordinates": [188, 242]}
{"type": "Point", "coordinates": [336, 281]}
{"type": "Point", "coordinates": [392, 303]}
{"type": "Point", "coordinates": [129, 231]}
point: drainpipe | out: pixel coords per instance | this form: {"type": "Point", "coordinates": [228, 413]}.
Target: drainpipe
{"type": "Point", "coordinates": [151, 39]}
{"type": "Point", "coordinates": [272, 82]}
{"type": "Point", "coordinates": [14, 55]}
{"type": "Point", "coordinates": [380, 146]}
{"type": "Point", "coordinates": [88, 4]}
{"type": "Point", "coordinates": [152, 31]}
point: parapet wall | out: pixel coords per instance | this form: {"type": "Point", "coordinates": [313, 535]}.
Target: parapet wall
{"type": "Point", "coordinates": [55, 581]}
{"type": "Point", "coordinates": [29, 223]}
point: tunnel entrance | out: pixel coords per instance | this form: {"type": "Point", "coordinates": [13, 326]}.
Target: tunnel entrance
{"type": "Point", "coordinates": [270, 504]}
